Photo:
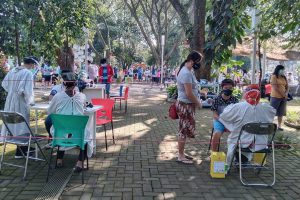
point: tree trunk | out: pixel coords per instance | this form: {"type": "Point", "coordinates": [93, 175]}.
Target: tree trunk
{"type": "Point", "coordinates": [30, 37]}
{"type": "Point", "coordinates": [17, 37]}
{"type": "Point", "coordinates": [17, 44]}
{"type": "Point", "coordinates": [184, 17]}
{"type": "Point", "coordinates": [198, 39]}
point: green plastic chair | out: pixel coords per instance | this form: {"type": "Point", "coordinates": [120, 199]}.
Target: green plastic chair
{"type": "Point", "coordinates": [68, 132]}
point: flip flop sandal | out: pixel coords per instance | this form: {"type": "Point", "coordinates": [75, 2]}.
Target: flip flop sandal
{"type": "Point", "coordinates": [189, 157]}
{"type": "Point", "coordinates": [186, 162]}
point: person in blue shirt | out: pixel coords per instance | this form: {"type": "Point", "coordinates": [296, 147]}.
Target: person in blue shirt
{"type": "Point", "coordinates": [140, 74]}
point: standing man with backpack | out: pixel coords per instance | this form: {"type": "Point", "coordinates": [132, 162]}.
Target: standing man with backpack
{"type": "Point", "coordinates": [106, 74]}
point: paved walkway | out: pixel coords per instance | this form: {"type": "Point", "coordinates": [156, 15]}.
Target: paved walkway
{"type": "Point", "coordinates": [141, 165]}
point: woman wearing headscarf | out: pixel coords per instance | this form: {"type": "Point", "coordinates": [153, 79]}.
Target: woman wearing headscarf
{"type": "Point", "coordinates": [18, 83]}
{"type": "Point", "coordinates": [187, 101]}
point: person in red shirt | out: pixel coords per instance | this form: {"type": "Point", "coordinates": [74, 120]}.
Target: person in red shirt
{"type": "Point", "coordinates": [106, 74]}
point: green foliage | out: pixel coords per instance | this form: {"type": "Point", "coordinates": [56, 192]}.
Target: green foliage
{"type": "Point", "coordinates": [237, 93]}
{"type": "Point", "coordinates": [246, 60]}
{"type": "Point", "coordinates": [116, 32]}
{"type": "Point", "coordinates": [293, 117]}
{"type": "Point", "coordinates": [227, 24]}
{"type": "Point", "coordinates": [280, 18]}
{"type": "Point", "coordinates": [172, 91]}
{"type": "Point", "coordinates": [151, 60]}
{"type": "Point", "coordinates": [233, 65]}
{"type": "Point", "coordinates": [282, 139]}
{"type": "Point", "coordinates": [42, 25]}
{"type": "Point", "coordinates": [2, 91]}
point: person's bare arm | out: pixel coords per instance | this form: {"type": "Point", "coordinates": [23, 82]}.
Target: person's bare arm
{"type": "Point", "coordinates": [190, 95]}
{"type": "Point", "coordinates": [215, 115]}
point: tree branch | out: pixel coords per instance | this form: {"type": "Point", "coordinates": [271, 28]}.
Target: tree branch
{"type": "Point", "coordinates": [148, 40]}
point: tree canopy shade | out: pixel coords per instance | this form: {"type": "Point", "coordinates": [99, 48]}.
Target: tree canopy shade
{"type": "Point", "coordinates": [40, 26]}
{"type": "Point", "coordinates": [131, 30]}
{"type": "Point", "coordinates": [156, 18]}
{"type": "Point", "coordinates": [280, 18]}
{"type": "Point", "coordinates": [226, 22]}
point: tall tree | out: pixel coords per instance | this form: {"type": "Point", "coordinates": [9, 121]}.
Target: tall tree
{"type": "Point", "coordinates": [280, 18]}
{"type": "Point", "coordinates": [226, 25]}
{"type": "Point", "coordinates": [40, 26]}
{"type": "Point", "coordinates": [156, 18]}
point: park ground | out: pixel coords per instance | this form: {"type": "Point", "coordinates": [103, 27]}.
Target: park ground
{"type": "Point", "coordinates": [142, 164]}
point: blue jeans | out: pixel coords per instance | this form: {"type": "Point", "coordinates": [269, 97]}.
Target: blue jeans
{"type": "Point", "coordinates": [107, 88]}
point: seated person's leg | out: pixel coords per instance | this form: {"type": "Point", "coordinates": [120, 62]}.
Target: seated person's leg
{"type": "Point", "coordinates": [79, 162]}
{"type": "Point", "coordinates": [60, 156]}
{"type": "Point", "coordinates": [84, 152]}
{"type": "Point", "coordinates": [24, 150]}
{"type": "Point", "coordinates": [218, 131]}
{"type": "Point", "coordinates": [48, 124]}
{"type": "Point", "coordinates": [107, 89]}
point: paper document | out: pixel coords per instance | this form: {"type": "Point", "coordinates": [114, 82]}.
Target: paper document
{"type": "Point", "coordinates": [219, 167]}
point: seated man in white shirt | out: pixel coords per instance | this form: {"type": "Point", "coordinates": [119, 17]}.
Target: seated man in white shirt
{"type": "Point", "coordinates": [235, 116]}
{"type": "Point", "coordinates": [68, 102]}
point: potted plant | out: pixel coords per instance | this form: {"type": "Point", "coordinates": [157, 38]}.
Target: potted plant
{"type": "Point", "coordinates": [237, 93]}
{"type": "Point", "coordinates": [172, 92]}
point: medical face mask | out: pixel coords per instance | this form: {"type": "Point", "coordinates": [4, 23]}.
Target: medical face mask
{"type": "Point", "coordinates": [196, 66]}
{"type": "Point", "coordinates": [227, 92]}
{"type": "Point", "coordinates": [281, 72]}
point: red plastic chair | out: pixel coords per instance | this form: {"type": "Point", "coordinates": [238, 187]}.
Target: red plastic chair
{"type": "Point", "coordinates": [125, 97]}
{"type": "Point", "coordinates": [104, 115]}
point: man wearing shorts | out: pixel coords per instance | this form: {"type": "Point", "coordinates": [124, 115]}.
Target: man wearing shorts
{"type": "Point", "coordinates": [224, 99]}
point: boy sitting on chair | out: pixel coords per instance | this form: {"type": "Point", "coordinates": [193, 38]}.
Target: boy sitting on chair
{"type": "Point", "coordinates": [224, 99]}
{"type": "Point", "coordinates": [235, 116]}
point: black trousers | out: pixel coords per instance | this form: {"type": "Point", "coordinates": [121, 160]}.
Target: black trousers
{"type": "Point", "coordinates": [60, 154]}
{"type": "Point", "coordinates": [24, 150]}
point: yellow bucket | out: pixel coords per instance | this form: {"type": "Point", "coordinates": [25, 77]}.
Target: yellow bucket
{"type": "Point", "coordinates": [258, 158]}
{"type": "Point", "coordinates": [218, 166]}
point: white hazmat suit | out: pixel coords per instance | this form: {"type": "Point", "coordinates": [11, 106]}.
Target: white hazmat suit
{"type": "Point", "coordinates": [18, 83]}
{"type": "Point", "coordinates": [235, 116]}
